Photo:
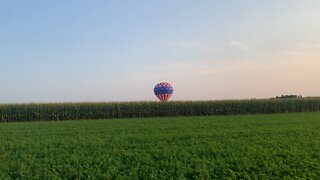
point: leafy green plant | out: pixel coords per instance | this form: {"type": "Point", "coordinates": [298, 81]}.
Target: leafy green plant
{"type": "Point", "coordinates": [274, 146]}
{"type": "Point", "coordinates": [76, 111]}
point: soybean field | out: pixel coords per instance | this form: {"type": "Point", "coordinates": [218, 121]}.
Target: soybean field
{"type": "Point", "coordinates": [204, 147]}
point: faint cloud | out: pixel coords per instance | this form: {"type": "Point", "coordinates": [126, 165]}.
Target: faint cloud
{"type": "Point", "coordinates": [185, 44]}
{"type": "Point", "coordinates": [292, 53]}
{"type": "Point", "coordinates": [240, 44]}
{"type": "Point", "coordinates": [196, 45]}
{"type": "Point", "coordinates": [236, 67]}
{"type": "Point", "coordinates": [188, 44]}
{"type": "Point", "coordinates": [198, 68]}
{"type": "Point", "coordinates": [302, 63]}
{"type": "Point", "coordinates": [303, 50]}
{"type": "Point", "coordinates": [310, 45]}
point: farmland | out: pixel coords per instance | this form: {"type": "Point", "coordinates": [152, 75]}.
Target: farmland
{"type": "Point", "coordinates": [80, 111]}
{"type": "Point", "coordinates": [238, 146]}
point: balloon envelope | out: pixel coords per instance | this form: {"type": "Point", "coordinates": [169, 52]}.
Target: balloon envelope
{"type": "Point", "coordinates": [163, 91]}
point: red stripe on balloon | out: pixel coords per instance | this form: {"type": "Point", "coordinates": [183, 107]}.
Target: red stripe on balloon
{"type": "Point", "coordinates": [163, 97]}
{"type": "Point", "coordinates": [167, 97]}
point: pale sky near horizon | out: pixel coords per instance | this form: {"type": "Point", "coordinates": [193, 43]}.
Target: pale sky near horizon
{"type": "Point", "coordinates": [99, 50]}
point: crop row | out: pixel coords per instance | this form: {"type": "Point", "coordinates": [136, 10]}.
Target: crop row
{"type": "Point", "coordinates": [75, 111]}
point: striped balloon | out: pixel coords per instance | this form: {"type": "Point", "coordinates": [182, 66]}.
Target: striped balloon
{"type": "Point", "coordinates": [163, 91]}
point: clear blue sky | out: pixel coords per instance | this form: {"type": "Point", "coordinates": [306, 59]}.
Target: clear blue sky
{"type": "Point", "coordinates": [76, 50]}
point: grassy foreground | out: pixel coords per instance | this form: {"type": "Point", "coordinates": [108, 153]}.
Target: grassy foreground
{"type": "Point", "coordinates": [246, 146]}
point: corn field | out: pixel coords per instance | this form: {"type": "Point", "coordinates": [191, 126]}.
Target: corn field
{"type": "Point", "coordinates": [77, 111]}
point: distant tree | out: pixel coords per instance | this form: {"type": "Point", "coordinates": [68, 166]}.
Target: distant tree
{"type": "Point", "coordinates": [287, 97]}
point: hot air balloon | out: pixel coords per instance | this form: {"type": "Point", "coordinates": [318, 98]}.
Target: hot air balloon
{"type": "Point", "coordinates": [163, 91]}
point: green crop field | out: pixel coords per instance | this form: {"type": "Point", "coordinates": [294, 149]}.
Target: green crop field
{"type": "Point", "coordinates": [110, 110]}
{"type": "Point", "coordinates": [243, 146]}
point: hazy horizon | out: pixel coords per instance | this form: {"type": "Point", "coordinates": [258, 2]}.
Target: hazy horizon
{"type": "Point", "coordinates": [86, 51]}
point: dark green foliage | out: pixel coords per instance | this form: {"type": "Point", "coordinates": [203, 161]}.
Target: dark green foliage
{"type": "Point", "coordinates": [283, 146]}
{"type": "Point", "coordinates": [75, 111]}
{"type": "Point", "coordinates": [288, 96]}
